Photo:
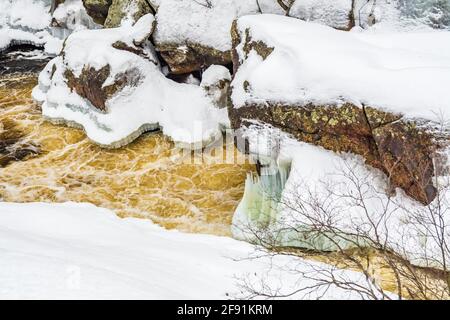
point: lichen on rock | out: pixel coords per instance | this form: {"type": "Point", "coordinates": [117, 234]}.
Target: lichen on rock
{"type": "Point", "coordinates": [319, 110]}
{"type": "Point", "coordinates": [126, 10]}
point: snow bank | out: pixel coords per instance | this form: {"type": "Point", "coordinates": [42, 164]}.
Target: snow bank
{"type": "Point", "coordinates": [79, 251]}
{"type": "Point", "coordinates": [406, 73]}
{"type": "Point", "coordinates": [148, 101]}
{"type": "Point", "coordinates": [25, 14]}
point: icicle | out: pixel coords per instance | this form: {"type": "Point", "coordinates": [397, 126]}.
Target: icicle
{"type": "Point", "coordinates": [259, 207]}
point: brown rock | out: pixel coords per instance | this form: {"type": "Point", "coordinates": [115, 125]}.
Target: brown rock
{"type": "Point", "coordinates": [97, 9]}
{"type": "Point", "coordinates": [89, 84]}
{"type": "Point", "coordinates": [396, 147]}
{"type": "Point", "coordinates": [405, 152]}
{"type": "Point", "coordinates": [191, 57]}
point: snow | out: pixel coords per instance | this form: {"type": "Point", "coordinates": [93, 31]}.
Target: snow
{"type": "Point", "coordinates": [335, 13]}
{"type": "Point", "coordinates": [214, 74]}
{"type": "Point", "coordinates": [23, 22]}
{"type": "Point", "coordinates": [141, 28]}
{"type": "Point", "coordinates": [26, 14]}
{"type": "Point", "coordinates": [79, 251]}
{"type": "Point", "coordinates": [186, 21]}
{"type": "Point", "coordinates": [183, 111]}
{"type": "Point", "coordinates": [406, 73]}
{"type": "Point", "coordinates": [28, 22]}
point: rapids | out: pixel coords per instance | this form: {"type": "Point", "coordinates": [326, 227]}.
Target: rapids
{"type": "Point", "coordinates": [40, 161]}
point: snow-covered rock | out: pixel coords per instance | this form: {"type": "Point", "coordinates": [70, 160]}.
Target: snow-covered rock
{"type": "Point", "coordinates": [337, 14]}
{"type": "Point", "coordinates": [126, 11]}
{"type": "Point", "coordinates": [72, 15]}
{"type": "Point", "coordinates": [319, 65]}
{"type": "Point", "coordinates": [79, 251]}
{"type": "Point", "coordinates": [216, 82]}
{"type": "Point", "coordinates": [192, 35]}
{"type": "Point", "coordinates": [24, 22]}
{"type": "Point", "coordinates": [109, 82]}
{"type": "Point", "coordinates": [31, 22]}
{"type": "Point", "coordinates": [375, 94]}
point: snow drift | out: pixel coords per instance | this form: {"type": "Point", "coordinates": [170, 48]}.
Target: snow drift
{"type": "Point", "coordinates": [79, 251]}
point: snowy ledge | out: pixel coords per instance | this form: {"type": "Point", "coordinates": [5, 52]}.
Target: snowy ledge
{"type": "Point", "coordinates": [405, 73]}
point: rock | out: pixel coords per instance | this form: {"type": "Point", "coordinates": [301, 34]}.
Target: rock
{"type": "Point", "coordinates": [55, 4]}
{"type": "Point", "coordinates": [109, 83]}
{"type": "Point", "coordinates": [191, 57]}
{"type": "Point", "coordinates": [337, 14]}
{"type": "Point", "coordinates": [90, 84]}
{"type": "Point", "coordinates": [406, 154]}
{"type": "Point", "coordinates": [97, 9]}
{"type": "Point", "coordinates": [14, 145]}
{"type": "Point", "coordinates": [216, 83]}
{"type": "Point", "coordinates": [191, 35]}
{"type": "Point", "coordinates": [401, 146]}
{"type": "Point", "coordinates": [399, 149]}
{"type": "Point", "coordinates": [126, 10]}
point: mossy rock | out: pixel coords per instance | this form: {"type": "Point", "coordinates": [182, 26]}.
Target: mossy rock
{"type": "Point", "coordinates": [120, 9]}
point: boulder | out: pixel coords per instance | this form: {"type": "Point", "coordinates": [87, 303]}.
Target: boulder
{"type": "Point", "coordinates": [109, 82]}
{"type": "Point", "coordinates": [216, 83]}
{"type": "Point", "coordinates": [285, 76]}
{"type": "Point", "coordinates": [337, 14]}
{"type": "Point", "coordinates": [97, 9]}
{"type": "Point", "coordinates": [191, 35]}
{"type": "Point", "coordinates": [126, 10]}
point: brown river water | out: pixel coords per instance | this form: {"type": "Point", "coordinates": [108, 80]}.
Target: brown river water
{"type": "Point", "coordinates": [40, 161]}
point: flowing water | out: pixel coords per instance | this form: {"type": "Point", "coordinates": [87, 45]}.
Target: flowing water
{"type": "Point", "coordinates": [43, 162]}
